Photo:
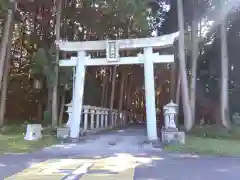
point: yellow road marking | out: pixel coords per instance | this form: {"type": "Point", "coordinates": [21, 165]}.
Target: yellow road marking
{"type": "Point", "coordinates": [36, 177]}
{"type": "Point", "coordinates": [50, 169]}
{"type": "Point", "coordinates": [119, 167]}
{"type": "Point", "coordinates": [112, 168]}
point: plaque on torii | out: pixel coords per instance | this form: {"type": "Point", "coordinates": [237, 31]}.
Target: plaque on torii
{"type": "Point", "coordinates": [112, 51]}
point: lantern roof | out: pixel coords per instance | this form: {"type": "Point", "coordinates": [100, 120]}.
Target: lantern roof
{"type": "Point", "coordinates": [171, 104]}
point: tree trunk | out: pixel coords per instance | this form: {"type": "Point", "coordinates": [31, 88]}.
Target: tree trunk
{"type": "Point", "coordinates": [183, 71]}
{"type": "Point", "coordinates": [104, 85]}
{"type": "Point", "coordinates": [40, 110]}
{"type": "Point", "coordinates": [113, 87]}
{"type": "Point", "coordinates": [224, 75]}
{"type": "Point", "coordinates": [106, 88]}
{"type": "Point", "coordinates": [194, 66]}
{"type": "Point", "coordinates": [128, 98]}
{"type": "Point", "coordinates": [5, 39]}
{"type": "Point", "coordinates": [173, 82]}
{"type": "Point", "coordinates": [5, 81]}
{"type": "Point", "coordinates": [125, 91]}
{"type": "Point", "coordinates": [178, 89]}
{"type": "Point", "coordinates": [62, 107]}
{"type": "Point", "coordinates": [121, 98]}
{"type": "Point", "coordinates": [58, 5]}
{"type": "Point", "coordinates": [7, 63]}
{"type": "Point", "coordinates": [5, 84]}
{"type": "Point", "coordinates": [178, 93]}
{"type": "Point", "coordinates": [49, 100]}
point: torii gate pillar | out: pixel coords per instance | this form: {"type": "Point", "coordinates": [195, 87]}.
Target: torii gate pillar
{"type": "Point", "coordinates": [78, 95]}
{"type": "Point", "coordinates": [150, 94]}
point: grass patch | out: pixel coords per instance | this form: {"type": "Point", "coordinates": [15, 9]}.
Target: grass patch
{"type": "Point", "coordinates": [207, 146]}
{"type": "Point", "coordinates": [210, 140]}
{"type": "Point", "coordinates": [216, 132]}
{"type": "Point", "coordinates": [12, 141]}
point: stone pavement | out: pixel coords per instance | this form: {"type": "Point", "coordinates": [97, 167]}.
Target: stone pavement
{"type": "Point", "coordinates": [112, 156]}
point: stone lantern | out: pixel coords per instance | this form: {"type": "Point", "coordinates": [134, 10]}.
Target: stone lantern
{"type": "Point", "coordinates": [170, 114]}
{"type": "Point", "coordinates": [69, 111]}
{"type": "Point", "coordinates": [64, 132]}
{"type": "Point", "coordinates": [170, 133]}
{"type": "Point", "coordinates": [37, 84]}
{"type": "Point", "coordinates": [66, 87]}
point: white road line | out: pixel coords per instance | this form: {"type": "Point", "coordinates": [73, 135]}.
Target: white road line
{"type": "Point", "coordinates": [79, 171]}
{"type": "Point", "coordinates": [83, 169]}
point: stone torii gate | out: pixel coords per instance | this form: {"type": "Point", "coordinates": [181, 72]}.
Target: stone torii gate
{"type": "Point", "coordinates": [112, 47]}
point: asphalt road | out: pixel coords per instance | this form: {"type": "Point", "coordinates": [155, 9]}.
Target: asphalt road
{"type": "Point", "coordinates": [115, 155]}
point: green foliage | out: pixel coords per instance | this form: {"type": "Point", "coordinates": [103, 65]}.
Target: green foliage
{"type": "Point", "coordinates": [47, 117]}
{"type": "Point", "coordinates": [43, 65]}
{"type": "Point", "coordinates": [132, 12]}
{"type": "Point", "coordinates": [108, 19]}
{"type": "Point", "coordinates": [65, 76]}
{"type": "Point", "coordinates": [4, 5]}
{"type": "Point", "coordinates": [13, 129]}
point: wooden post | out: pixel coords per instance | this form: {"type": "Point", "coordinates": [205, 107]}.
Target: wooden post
{"type": "Point", "coordinates": [86, 111]}
{"type": "Point", "coordinates": [92, 114]}
{"type": "Point", "coordinates": [106, 118]}
{"type": "Point", "coordinates": [98, 113]}
{"type": "Point", "coordinates": [102, 117]}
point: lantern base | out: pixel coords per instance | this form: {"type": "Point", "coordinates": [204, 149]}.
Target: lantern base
{"type": "Point", "coordinates": [63, 133]}
{"type": "Point", "coordinates": [173, 137]}
{"type": "Point", "coordinates": [170, 129]}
